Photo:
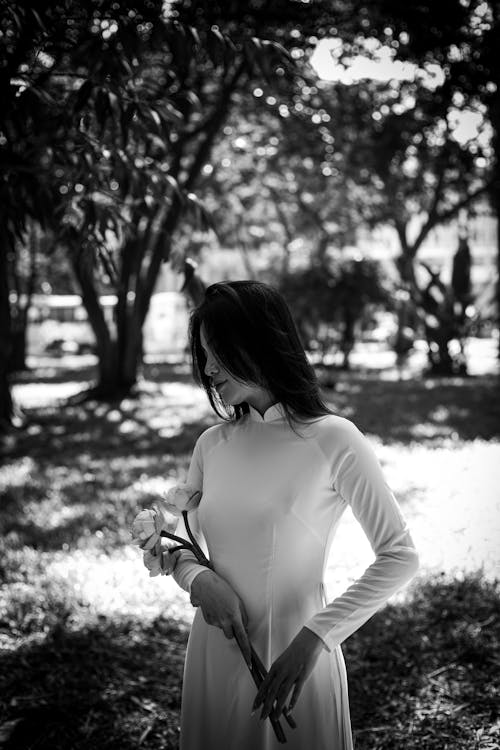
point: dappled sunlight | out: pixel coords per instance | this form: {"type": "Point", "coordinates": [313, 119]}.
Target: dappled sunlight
{"type": "Point", "coordinates": [50, 515]}
{"type": "Point", "coordinates": [35, 395]}
{"type": "Point", "coordinates": [74, 583]}
{"type": "Point", "coordinates": [451, 502]}
{"type": "Point", "coordinates": [16, 473]}
{"type": "Point", "coordinates": [150, 422]}
{"type": "Point", "coordinates": [117, 585]}
{"type": "Point", "coordinates": [117, 458]}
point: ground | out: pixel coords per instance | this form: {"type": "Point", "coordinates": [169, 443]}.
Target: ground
{"type": "Point", "coordinates": [92, 649]}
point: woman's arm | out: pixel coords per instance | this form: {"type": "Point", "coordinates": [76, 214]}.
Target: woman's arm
{"type": "Point", "coordinates": [187, 567]}
{"type": "Point", "coordinates": [222, 608]}
{"type": "Point", "coordinates": [220, 605]}
{"type": "Point", "coordinates": [358, 478]}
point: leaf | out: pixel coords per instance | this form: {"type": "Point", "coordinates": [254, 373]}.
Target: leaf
{"type": "Point", "coordinates": [156, 119]}
{"type": "Point", "coordinates": [126, 116]}
{"type": "Point", "coordinates": [193, 99]}
{"type": "Point", "coordinates": [174, 184]}
{"type": "Point", "coordinates": [202, 216]}
{"type": "Point", "coordinates": [127, 67]}
{"type": "Point", "coordinates": [18, 21]}
{"type": "Point", "coordinates": [216, 47]}
{"type": "Point", "coordinates": [173, 114]}
{"type": "Point", "coordinates": [250, 51]}
{"type": "Point", "coordinates": [282, 51]}
{"type": "Point", "coordinates": [114, 104]}
{"type": "Point", "coordinates": [38, 19]}
{"type": "Point", "coordinates": [83, 94]}
{"type": "Point", "coordinates": [195, 35]}
{"type": "Point", "coordinates": [102, 107]}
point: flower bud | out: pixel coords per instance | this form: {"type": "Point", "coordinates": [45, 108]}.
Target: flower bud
{"type": "Point", "coordinates": [146, 528]}
{"type": "Point", "coordinates": [159, 560]}
{"type": "Point", "coordinates": [182, 497]}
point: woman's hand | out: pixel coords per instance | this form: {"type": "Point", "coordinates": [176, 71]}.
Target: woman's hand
{"type": "Point", "coordinates": [290, 670]}
{"type": "Point", "coordinates": [221, 607]}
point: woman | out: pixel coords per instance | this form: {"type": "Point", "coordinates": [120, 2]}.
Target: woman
{"type": "Point", "coordinates": [276, 476]}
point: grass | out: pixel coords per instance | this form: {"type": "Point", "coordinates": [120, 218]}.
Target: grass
{"type": "Point", "coordinates": [91, 657]}
{"type": "Point", "coordinates": [425, 674]}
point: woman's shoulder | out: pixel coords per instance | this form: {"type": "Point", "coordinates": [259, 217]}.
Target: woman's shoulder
{"type": "Point", "coordinates": [215, 434]}
{"type": "Point", "coordinates": [332, 430]}
{"type": "Point", "coordinates": [333, 424]}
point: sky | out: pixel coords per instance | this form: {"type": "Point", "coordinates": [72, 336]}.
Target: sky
{"type": "Point", "coordinates": [466, 125]}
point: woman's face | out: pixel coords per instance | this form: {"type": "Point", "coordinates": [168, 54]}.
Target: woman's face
{"type": "Point", "coordinates": [233, 391]}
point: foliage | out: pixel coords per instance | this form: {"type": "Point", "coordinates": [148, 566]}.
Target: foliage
{"type": "Point", "coordinates": [111, 113]}
{"type": "Point", "coordinates": [461, 44]}
{"type": "Point", "coordinates": [125, 103]}
{"type": "Point", "coordinates": [332, 301]}
{"type": "Point", "coordinates": [447, 314]}
{"type": "Point", "coordinates": [299, 175]}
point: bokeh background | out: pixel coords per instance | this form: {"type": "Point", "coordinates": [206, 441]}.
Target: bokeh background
{"type": "Point", "coordinates": [347, 153]}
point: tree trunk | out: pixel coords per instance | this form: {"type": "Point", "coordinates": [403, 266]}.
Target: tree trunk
{"type": "Point", "coordinates": [108, 385]}
{"type": "Point", "coordinates": [406, 307]}
{"type": "Point", "coordinates": [6, 405]}
{"type": "Point", "coordinates": [347, 343]}
{"type": "Point", "coordinates": [17, 362]}
{"type": "Point", "coordinates": [118, 373]}
{"type": "Point", "coordinates": [494, 112]}
{"type": "Point", "coordinates": [120, 355]}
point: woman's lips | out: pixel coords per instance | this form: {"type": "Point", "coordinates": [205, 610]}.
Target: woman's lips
{"type": "Point", "coordinates": [220, 385]}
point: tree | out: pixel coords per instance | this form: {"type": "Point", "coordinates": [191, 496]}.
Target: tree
{"type": "Point", "coordinates": [446, 314]}
{"type": "Point", "coordinates": [461, 44]}
{"type": "Point", "coordinates": [110, 113]}
{"type": "Point", "coordinates": [332, 301]}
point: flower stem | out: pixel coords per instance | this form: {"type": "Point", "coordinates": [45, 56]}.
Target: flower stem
{"type": "Point", "coordinates": [197, 549]}
{"type": "Point", "coordinates": [263, 671]}
{"type": "Point", "coordinates": [257, 678]}
{"type": "Point", "coordinates": [168, 535]}
{"type": "Point", "coordinates": [186, 545]}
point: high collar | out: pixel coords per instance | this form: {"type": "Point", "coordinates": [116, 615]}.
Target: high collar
{"type": "Point", "coordinates": [273, 413]}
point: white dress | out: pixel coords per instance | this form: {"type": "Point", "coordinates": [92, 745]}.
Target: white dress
{"type": "Point", "coordinates": [271, 504]}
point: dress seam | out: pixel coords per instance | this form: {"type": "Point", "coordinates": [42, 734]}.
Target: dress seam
{"type": "Point", "coordinates": [271, 595]}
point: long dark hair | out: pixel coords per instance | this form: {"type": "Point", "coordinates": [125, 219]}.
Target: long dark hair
{"type": "Point", "coordinates": [252, 334]}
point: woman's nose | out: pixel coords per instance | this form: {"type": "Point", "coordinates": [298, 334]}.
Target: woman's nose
{"type": "Point", "coordinates": [211, 366]}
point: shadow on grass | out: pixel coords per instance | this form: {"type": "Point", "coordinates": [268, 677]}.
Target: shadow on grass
{"type": "Point", "coordinates": [67, 495]}
{"type": "Point", "coordinates": [59, 372]}
{"type": "Point", "coordinates": [422, 410]}
{"type": "Point", "coordinates": [102, 687]}
{"type": "Point", "coordinates": [426, 675]}
{"type": "Point", "coordinates": [429, 411]}
{"type": "Point", "coordinates": [106, 429]}
{"type": "Point", "coordinates": [422, 675]}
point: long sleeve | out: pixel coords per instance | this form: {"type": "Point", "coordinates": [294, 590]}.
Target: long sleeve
{"type": "Point", "coordinates": [187, 566]}
{"type": "Point", "coordinates": [358, 478]}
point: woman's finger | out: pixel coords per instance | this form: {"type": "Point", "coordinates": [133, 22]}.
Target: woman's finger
{"type": "Point", "coordinates": [270, 696]}
{"type": "Point", "coordinates": [242, 638]}
{"type": "Point", "coordinates": [262, 691]}
{"type": "Point", "coordinates": [243, 612]}
{"type": "Point", "coordinates": [299, 684]}
{"type": "Point", "coordinates": [281, 696]}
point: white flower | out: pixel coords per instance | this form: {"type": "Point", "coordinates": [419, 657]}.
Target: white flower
{"type": "Point", "coordinates": [182, 497]}
{"type": "Point", "coordinates": [146, 528]}
{"type": "Point", "coordinates": [159, 560]}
